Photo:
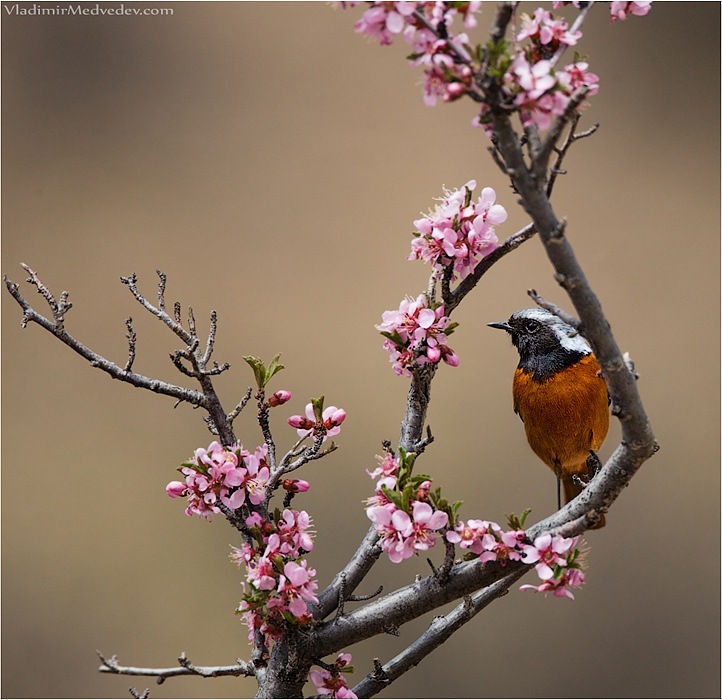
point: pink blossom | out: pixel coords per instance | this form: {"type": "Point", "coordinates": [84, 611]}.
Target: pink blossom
{"type": "Point", "coordinates": [293, 532]}
{"type": "Point", "coordinates": [503, 546]}
{"type": "Point", "coordinates": [545, 31]}
{"type": "Point", "coordinates": [296, 587]}
{"type": "Point", "coordinates": [332, 679]}
{"type": "Point", "coordinates": [331, 420]}
{"type": "Point", "coordinates": [416, 334]}
{"type": "Point", "coordinates": [382, 21]}
{"type": "Point", "coordinates": [426, 521]}
{"type": "Point", "coordinates": [620, 10]}
{"type": "Point", "coordinates": [254, 520]}
{"type": "Point", "coordinates": [381, 499]}
{"type": "Point", "coordinates": [578, 76]}
{"type": "Point", "coordinates": [243, 554]}
{"type": "Point", "coordinates": [262, 575]}
{"type": "Point", "coordinates": [458, 233]}
{"type": "Point", "coordinates": [470, 535]}
{"type": "Point", "coordinates": [394, 528]}
{"type": "Point", "coordinates": [560, 587]}
{"type": "Point", "coordinates": [534, 80]}
{"type": "Point", "coordinates": [547, 552]}
{"type": "Point", "coordinates": [257, 475]}
{"type": "Point", "coordinates": [388, 465]}
{"type": "Point", "coordinates": [229, 475]}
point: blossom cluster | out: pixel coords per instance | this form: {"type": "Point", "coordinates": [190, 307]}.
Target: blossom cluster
{"type": "Point", "coordinates": [445, 60]}
{"type": "Point", "coordinates": [330, 680]}
{"type": "Point", "coordinates": [528, 77]}
{"type": "Point", "coordinates": [279, 580]}
{"type": "Point", "coordinates": [620, 10]}
{"type": "Point", "coordinates": [559, 563]}
{"type": "Point", "coordinates": [231, 475]}
{"type": "Point", "coordinates": [402, 509]}
{"type": "Point", "coordinates": [416, 334]}
{"type": "Point", "coordinates": [531, 81]}
{"type": "Point", "coordinates": [460, 231]}
{"type": "Point", "coordinates": [409, 518]}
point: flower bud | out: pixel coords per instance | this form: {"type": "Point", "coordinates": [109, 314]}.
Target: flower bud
{"type": "Point", "coordinates": [279, 398]}
{"type": "Point", "coordinates": [175, 489]}
{"type": "Point", "coordinates": [423, 492]}
{"type": "Point", "coordinates": [433, 353]}
{"type": "Point", "coordinates": [451, 358]}
{"type": "Point", "coordinates": [336, 418]}
{"type": "Point", "coordinates": [301, 422]}
{"type": "Point", "coordinates": [296, 485]}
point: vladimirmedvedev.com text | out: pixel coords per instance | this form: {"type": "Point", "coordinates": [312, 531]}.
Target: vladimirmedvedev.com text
{"type": "Point", "coordinates": [79, 10]}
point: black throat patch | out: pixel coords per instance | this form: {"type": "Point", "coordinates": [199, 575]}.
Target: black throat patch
{"type": "Point", "coordinates": [542, 367]}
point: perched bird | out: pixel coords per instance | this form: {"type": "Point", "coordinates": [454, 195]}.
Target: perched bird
{"type": "Point", "coordinates": [560, 396]}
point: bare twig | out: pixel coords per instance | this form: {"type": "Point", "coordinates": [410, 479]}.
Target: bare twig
{"type": "Point", "coordinates": [572, 136]}
{"type": "Point", "coordinates": [211, 339]}
{"type": "Point", "coordinates": [556, 310]}
{"type": "Point", "coordinates": [540, 161]}
{"type": "Point", "coordinates": [186, 668]}
{"type": "Point", "coordinates": [241, 405]}
{"type": "Point", "coordinates": [206, 398]}
{"type": "Point", "coordinates": [174, 325]}
{"type": "Point", "coordinates": [58, 309]}
{"type": "Point", "coordinates": [131, 336]}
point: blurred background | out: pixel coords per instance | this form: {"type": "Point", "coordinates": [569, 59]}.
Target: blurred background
{"type": "Point", "coordinates": [271, 161]}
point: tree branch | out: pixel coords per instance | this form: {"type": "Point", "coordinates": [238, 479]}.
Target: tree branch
{"type": "Point", "coordinates": [186, 668]}
{"type": "Point", "coordinates": [439, 631]}
{"type": "Point", "coordinates": [207, 398]}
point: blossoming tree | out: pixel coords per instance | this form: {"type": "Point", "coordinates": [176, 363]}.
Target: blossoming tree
{"type": "Point", "coordinates": [529, 109]}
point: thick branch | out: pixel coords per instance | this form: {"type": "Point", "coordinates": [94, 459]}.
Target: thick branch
{"type": "Point", "coordinates": [408, 603]}
{"type": "Point", "coordinates": [439, 631]}
{"type": "Point", "coordinates": [350, 577]}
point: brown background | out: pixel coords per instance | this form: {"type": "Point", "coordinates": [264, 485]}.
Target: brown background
{"type": "Point", "coordinates": [271, 161]}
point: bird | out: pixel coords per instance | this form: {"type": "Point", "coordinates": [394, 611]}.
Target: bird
{"type": "Point", "coordinates": [560, 395]}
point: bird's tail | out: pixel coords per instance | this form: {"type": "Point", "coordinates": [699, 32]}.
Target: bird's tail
{"type": "Point", "coordinates": [571, 490]}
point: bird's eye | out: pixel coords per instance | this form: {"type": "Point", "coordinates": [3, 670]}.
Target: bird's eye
{"type": "Point", "coordinates": [531, 326]}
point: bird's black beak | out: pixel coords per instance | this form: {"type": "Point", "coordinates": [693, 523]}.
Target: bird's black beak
{"type": "Point", "coordinates": [501, 324]}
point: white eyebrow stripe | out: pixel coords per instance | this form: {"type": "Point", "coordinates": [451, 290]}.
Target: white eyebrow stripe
{"type": "Point", "coordinates": [568, 337]}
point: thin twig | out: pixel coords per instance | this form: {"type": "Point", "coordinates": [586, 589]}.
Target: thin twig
{"type": "Point", "coordinates": [556, 310]}
{"type": "Point", "coordinates": [131, 336]}
{"type": "Point", "coordinates": [241, 405]}
{"type": "Point", "coordinates": [572, 136]}
{"type": "Point", "coordinates": [186, 668]}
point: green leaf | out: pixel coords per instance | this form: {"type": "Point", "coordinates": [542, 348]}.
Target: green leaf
{"type": "Point", "coordinates": [273, 368]}
{"type": "Point", "coordinates": [318, 408]}
{"type": "Point", "coordinates": [259, 370]}
{"type": "Point", "coordinates": [393, 496]}
{"type": "Point", "coordinates": [517, 522]}
{"type": "Point", "coordinates": [262, 373]}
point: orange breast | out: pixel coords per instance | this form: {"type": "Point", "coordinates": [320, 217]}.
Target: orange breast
{"type": "Point", "coordinates": [565, 416]}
